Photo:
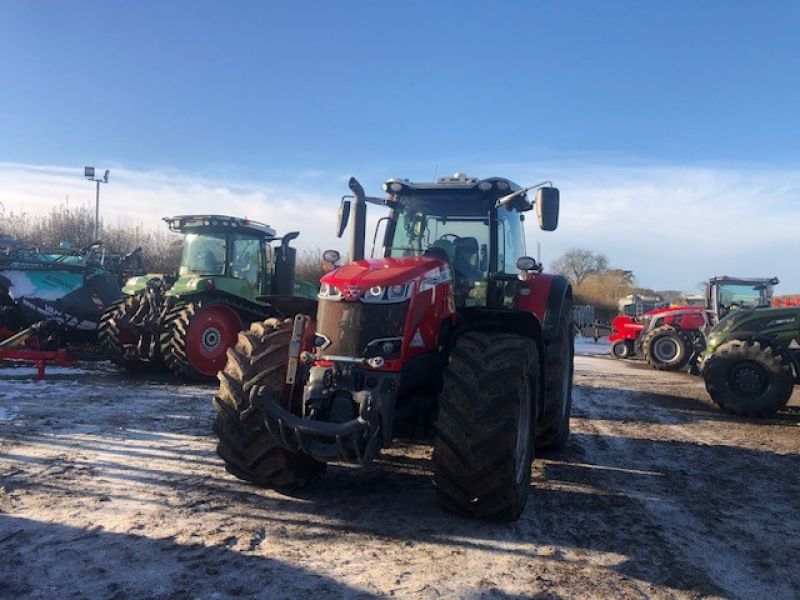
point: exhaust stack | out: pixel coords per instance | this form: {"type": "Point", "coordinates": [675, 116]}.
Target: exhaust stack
{"type": "Point", "coordinates": [359, 217]}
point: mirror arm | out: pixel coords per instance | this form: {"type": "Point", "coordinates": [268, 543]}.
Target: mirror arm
{"type": "Point", "coordinates": [512, 196]}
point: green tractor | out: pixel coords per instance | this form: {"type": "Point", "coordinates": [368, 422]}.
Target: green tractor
{"type": "Point", "coordinates": [752, 360]}
{"type": "Point", "coordinates": [230, 275]}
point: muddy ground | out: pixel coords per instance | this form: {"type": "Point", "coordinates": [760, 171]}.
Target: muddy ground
{"type": "Point", "coordinates": [110, 488]}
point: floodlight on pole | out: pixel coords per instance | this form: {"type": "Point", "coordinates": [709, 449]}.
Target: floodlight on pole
{"type": "Point", "coordinates": [88, 172]}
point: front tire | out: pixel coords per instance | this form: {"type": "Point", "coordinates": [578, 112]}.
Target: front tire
{"type": "Point", "coordinates": [622, 349]}
{"type": "Point", "coordinates": [667, 349]}
{"type": "Point", "coordinates": [249, 451]}
{"type": "Point", "coordinates": [114, 334]}
{"type": "Point", "coordinates": [747, 378]}
{"type": "Point", "coordinates": [487, 415]}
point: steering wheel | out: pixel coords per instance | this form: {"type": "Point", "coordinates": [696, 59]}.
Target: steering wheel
{"type": "Point", "coordinates": [452, 235]}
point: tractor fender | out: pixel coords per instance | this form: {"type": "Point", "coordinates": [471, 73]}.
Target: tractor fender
{"type": "Point", "coordinates": [544, 296]}
{"type": "Point", "coordinates": [501, 319]}
{"type": "Point", "coordinates": [560, 291]}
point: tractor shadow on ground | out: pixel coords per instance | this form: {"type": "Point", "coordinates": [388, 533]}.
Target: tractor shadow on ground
{"type": "Point", "coordinates": [37, 558]}
{"type": "Point", "coordinates": [666, 408]}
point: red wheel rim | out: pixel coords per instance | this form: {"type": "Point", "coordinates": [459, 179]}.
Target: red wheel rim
{"type": "Point", "coordinates": [212, 330]}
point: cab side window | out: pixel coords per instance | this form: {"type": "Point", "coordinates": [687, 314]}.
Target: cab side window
{"type": "Point", "coordinates": [246, 260]}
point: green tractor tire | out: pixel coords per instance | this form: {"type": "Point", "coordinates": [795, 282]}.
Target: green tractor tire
{"type": "Point", "coordinates": [197, 337]}
{"type": "Point", "coordinates": [748, 378]}
{"type": "Point", "coordinates": [114, 333]}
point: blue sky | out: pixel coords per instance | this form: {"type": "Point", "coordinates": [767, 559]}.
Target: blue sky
{"type": "Point", "coordinates": [293, 97]}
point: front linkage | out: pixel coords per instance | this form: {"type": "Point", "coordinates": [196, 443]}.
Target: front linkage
{"type": "Point", "coordinates": [329, 428]}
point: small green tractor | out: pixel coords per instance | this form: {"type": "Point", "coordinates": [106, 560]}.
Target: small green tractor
{"type": "Point", "coordinates": [230, 275]}
{"type": "Point", "coordinates": [752, 360]}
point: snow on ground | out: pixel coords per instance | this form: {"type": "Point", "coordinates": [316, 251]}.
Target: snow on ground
{"type": "Point", "coordinates": [110, 488]}
{"type": "Point", "coordinates": [28, 371]}
{"type": "Point", "coordinates": [586, 346]}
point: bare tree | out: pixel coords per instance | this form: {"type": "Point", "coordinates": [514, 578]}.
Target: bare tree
{"type": "Point", "coordinates": [577, 264]}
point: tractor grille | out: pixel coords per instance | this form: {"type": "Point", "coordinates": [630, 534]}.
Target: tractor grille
{"type": "Point", "coordinates": [350, 326]}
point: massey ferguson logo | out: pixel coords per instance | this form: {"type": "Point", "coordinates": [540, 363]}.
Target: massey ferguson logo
{"type": "Point", "coordinates": [352, 292]}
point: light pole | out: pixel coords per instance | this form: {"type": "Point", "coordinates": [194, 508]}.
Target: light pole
{"type": "Point", "coordinates": [88, 172]}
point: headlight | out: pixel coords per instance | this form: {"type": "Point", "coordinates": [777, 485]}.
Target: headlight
{"type": "Point", "coordinates": [393, 293]}
{"type": "Point", "coordinates": [329, 292]}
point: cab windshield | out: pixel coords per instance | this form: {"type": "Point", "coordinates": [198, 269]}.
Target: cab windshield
{"type": "Point", "coordinates": [203, 254]}
{"type": "Point", "coordinates": [454, 227]}
{"type": "Point", "coordinates": [738, 296]}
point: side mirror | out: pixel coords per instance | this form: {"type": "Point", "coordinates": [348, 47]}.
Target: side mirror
{"type": "Point", "coordinates": [526, 263]}
{"type": "Point", "coordinates": [330, 261]}
{"type": "Point", "coordinates": [343, 217]}
{"type": "Point", "coordinates": [547, 203]}
{"type": "Point", "coordinates": [527, 267]}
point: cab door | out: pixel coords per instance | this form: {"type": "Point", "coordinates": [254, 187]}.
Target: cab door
{"type": "Point", "coordinates": [247, 263]}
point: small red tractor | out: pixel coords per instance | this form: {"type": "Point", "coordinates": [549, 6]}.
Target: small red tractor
{"type": "Point", "coordinates": [452, 332]}
{"type": "Point", "coordinates": [668, 338]}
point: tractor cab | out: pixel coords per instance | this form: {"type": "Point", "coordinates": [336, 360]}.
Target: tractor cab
{"type": "Point", "coordinates": [474, 226]}
{"type": "Point", "coordinates": [726, 294]}
{"type": "Point", "coordinates": [233, 255]}
{"type": "Point", "coordinates": [456, 221]}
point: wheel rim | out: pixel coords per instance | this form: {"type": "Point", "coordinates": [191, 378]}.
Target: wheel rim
{"type": "Point", "coordinates": [665, 349]}
{"type": "Point", "coordinates": [748, 379]}
{"type": "Point", "coordinates": [212, 330]}
{"type": "Point", "coordinates": [522, 447]}
{"type": "Point", "coordinates": [620, 350]}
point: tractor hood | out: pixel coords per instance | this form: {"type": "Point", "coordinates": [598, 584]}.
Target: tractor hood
{"type": "Point", "coordinates": [759, 322]}
{"type": "Point", "coordinates": [381, 271]}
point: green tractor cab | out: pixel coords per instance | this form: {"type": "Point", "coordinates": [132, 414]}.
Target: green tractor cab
{"type": "Point", "coordinates": [752, 360]}
{"type": "Point", "coordinates": [233, 271]}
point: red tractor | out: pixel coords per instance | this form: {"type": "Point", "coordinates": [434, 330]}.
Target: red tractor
{"type": "Point", "coordinates": [451, 333]}
{"type": "Point", "coordinates": [669, 337]}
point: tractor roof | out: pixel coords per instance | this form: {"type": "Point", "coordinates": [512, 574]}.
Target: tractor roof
{"type": "Point", "coordinates": [459, 181]}
{"type": "Point", "coordinates": [721, 279]}
{"type": "Point", "coordinates": [182, 223]}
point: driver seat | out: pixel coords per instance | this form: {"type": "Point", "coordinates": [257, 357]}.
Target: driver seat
{"type": "Point", "coordinates": [466, 262]}
{"type": "Point", "coordinates": [441, 248]}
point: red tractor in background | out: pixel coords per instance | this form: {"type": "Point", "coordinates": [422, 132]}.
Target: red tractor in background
{"type": "Point", "coordinates": [452, 332]}
{"type": "Point", "coordinates": [669, 337]}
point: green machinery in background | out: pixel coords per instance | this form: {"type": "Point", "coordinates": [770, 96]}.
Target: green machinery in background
{"type": "Point", "coordinates": [752, 360]}
{"type": "Point", "coordinates": [233, 271]}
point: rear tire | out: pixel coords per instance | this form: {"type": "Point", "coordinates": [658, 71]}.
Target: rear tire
{"type": "Point", "coordinates": [197, 338]}
{"type": "Point", "coordinates": [667, 349]}
{"type": "Point", "coordinates": [487, 416]}
{"type": "Point", "coordinates": [747, 378]}
{"type": "Point", "coordinates": [553, 424]}
{"type": "Point", "coordinates": [259, 357]}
